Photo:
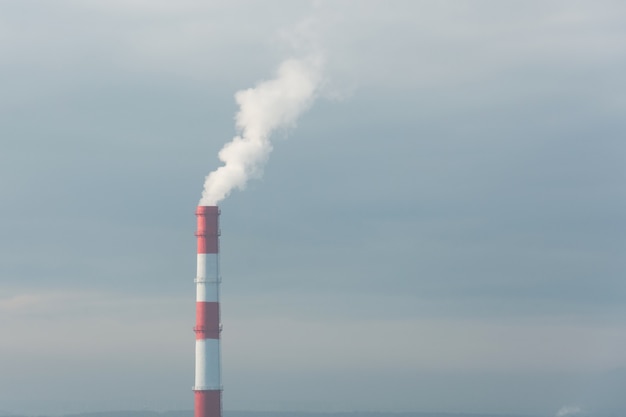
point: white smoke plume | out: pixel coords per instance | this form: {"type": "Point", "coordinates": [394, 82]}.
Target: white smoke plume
{"type": "Point", "coordinates": [568, 410]}
{"type": "Point", "coordinates": [271, 105]}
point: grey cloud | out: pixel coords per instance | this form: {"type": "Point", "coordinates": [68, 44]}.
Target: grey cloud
{"type": "Point", "coordinates": [475, 173]}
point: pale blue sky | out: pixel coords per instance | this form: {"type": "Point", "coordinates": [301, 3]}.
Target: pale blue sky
{"type": "Point", "coordinates": [443, 230]}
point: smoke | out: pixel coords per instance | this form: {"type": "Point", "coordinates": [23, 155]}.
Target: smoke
{"type": "Point", "coordinates": [568, 410]}
{"type": "Point", "coordinates": [272, 104]}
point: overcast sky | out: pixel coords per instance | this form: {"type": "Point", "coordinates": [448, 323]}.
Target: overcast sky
{"type": "Point", "coordinates": [443, 230]}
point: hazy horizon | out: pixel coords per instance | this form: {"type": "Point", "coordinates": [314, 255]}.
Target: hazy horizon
{"type": "Point", "coordinates": [354, 413]}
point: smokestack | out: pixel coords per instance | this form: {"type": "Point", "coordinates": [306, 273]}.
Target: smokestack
{"type": "Point", "coordinates": [208, 388]}
{"type": "Point", "coordinates": [271, 105]}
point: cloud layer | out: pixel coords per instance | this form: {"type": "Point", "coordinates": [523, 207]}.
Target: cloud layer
{"type": "Point", "coordinates": [451, 233]}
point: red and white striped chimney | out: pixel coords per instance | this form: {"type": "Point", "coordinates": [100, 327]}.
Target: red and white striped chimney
{"type": "Point", "coordinates": [208, 388]}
